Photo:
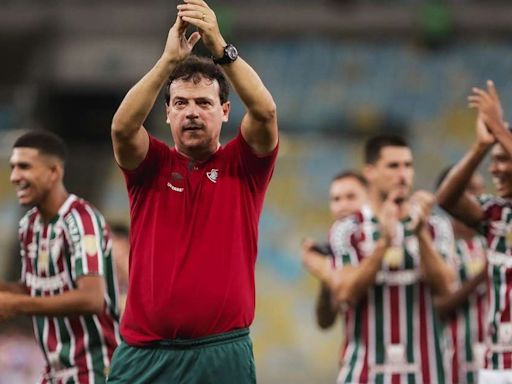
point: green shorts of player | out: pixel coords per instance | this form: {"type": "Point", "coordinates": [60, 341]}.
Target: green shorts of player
{"type": "Point", "coordinates": [225, 358]}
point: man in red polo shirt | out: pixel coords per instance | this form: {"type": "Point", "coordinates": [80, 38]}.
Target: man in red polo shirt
{"type": "Point", "coordinates": [194, 212]}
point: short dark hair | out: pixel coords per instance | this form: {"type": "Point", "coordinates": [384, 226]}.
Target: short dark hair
{"type": "Point", "coordinates": [350, 173]}
{"type": "Point", "coordinates": [374, 145]}
{"type": "Point", "coordinates": [45, 141]}
{"type": "Point", "coordinates": [193, 68]}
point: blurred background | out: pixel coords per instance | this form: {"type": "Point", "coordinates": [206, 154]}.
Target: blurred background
{"type": "Point", "coordinates": [339, 70]}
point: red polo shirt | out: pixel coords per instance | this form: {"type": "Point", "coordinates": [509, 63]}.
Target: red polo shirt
{"type": "Point", "coordinates": [194, 234]}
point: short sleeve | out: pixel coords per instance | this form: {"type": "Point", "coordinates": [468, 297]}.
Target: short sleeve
{"type": "Point", "coordinates": [85, 234]}
{"type": "Point", "coordinates": [344, 244]}
{"type": "Point", "coordinates": [156, 157]}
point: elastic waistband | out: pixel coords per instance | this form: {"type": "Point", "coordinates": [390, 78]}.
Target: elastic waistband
{"type": "Point", "coordinates": [210, 340]}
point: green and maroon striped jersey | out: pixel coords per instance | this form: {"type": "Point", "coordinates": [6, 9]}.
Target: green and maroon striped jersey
{"type": "Point", "coordinates": [496, 226]}
{"type": "Point", "coordinates": [467, 329]}
{"type": "Point", "coordinates": [75, 243]}
{"type": "Point", "coordinates": [392, 334]}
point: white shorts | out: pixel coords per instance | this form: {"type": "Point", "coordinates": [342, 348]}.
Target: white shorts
{"type": "Point", "coordinates": [495, 376]}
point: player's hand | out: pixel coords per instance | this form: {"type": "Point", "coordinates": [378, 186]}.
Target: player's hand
{"type": "Point", "coordinates": [200, 15]}
{"type": "Point", "coordinates": [490, 111]}
{"type": "Point", "coordinates": [483, 135]}
{"type": "Point", "coordinates": [318, 265]}
{"type": "Point", "coordinates": [422, 203]}
{"type": "Point", "coordinates": [178, 46]}
{"type": "Point", "coordinates": [388, 216]}
{"type": "Point", "coordinates": [7, 305]}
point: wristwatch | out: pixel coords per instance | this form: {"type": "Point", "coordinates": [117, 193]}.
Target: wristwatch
{"type": "Point", "coordinates": [230, 55]}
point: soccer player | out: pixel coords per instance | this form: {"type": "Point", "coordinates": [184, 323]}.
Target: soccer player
{"type": "Point", "coordinates": [464, 308]}
{"type": "Point", "coordinates": [492, 215]}
{"type": "Point", "coordinates": [67, 282]}
{"type": "Point", "coordinates": [388, 269]}
{"type": "Point", "coordinates": [194, 212]}
{"type": "Point", "coordinates": [347, 194]}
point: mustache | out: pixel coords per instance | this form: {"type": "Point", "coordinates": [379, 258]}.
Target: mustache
{"type": "Point", "coordinates": [193, 124]}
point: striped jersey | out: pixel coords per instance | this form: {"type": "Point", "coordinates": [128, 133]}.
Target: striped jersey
{"type": "Point", "coordinates": [75, 243]}
{"type": "Point", "coordinates": [392, 334]}
{"type": "Point", "coordinates": [496, 226]}
{"type": "Point", "coordinates": [467, 330]}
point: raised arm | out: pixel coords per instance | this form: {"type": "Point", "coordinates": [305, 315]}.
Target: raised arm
{"type": "Point", "coordinates": [129, 138]}
{"type": "Point", "coordinates": [451, 194]}
{"type": "Point", "coordinates": [259, 125]}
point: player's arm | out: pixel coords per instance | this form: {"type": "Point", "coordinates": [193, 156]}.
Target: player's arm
{"type": "Point", "coordinates": [350, 282]}
{"type": "Point", "coordinates": [129, 138]}
{"type": "Point", "coordinates": [437, 273]}
{"type": "Point", "coordinates": [86, 299]}
{"type": "Point", "coordinates": [259, 125]}
{"type": "Point", "coordinates": [325, 311]}
{"type": "Point", "coordinates": [447, 303]}
{"type": "Point", "coordinates": [451, 194]}
{"type": "Point", "coordinates": [13, 287]}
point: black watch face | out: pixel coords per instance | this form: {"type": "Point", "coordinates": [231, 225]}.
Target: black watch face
{"type": "Point", "coordinates": [231, 52]}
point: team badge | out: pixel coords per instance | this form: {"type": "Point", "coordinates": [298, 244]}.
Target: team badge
{"type": "Point", "coordinates": [42, 260]}
{"type": "Point", "coordinates": [474, 267]}
{"type": "Point", "coordinates": [394, 257]}
{"type": "Point", "coordinates": [213, 175]}
{"type": "Point", "coordinates": [508, 239]}
{"type": "Point", "coordinates": [90, 246]}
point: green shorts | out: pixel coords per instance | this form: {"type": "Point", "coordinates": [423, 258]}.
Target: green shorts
{"type": "Point", "coordinates": [219, 359]}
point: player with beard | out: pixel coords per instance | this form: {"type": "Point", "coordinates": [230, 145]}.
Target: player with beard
{"type": "Point", "coordinates": [388, 267]}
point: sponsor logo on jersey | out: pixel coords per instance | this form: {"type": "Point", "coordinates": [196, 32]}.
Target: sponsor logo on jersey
{"type": "Point", "coordinates": [177, 182]}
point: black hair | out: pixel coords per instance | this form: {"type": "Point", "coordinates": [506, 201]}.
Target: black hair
{"type": "Point", "coordinates": [374, 146]}
{"type": "Point", "coordinates": [45, 141]}
{"type": "Point", "coordinates": [193, 68]}
{"type": "Point", "coordinates": [351, 174]}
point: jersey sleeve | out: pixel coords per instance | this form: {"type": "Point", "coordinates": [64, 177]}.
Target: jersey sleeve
{"type": "Point", "coordinates": [155, 157]}
{"type": "Point", "coordinates": [258, 168]}
{"type": "Point", "coordinates": [86, 241]}
{"type": "Point", "coordinates": [343, 238]}
{"type": "Point", "coordinates": [444, 239]}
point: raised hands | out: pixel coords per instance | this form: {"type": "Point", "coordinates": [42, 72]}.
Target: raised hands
{"type": "Point", "coordinates": [198, 14]}
{"type": "Point", "coordinates": [389, 216]}
{"type": "Point", "coordinates": [178, 46]}
{"type": "Point", "coordinates": [421, 207]}
{"type": "Point", "coordinates": [490, 121]}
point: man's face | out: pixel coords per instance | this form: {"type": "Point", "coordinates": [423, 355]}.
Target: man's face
{"type": "Point", "coordinates": [392, 171]}
{"type": "Point", "coordinates": [501, 171]}
{"type": "Point", "coordinates": [195, 115]}
{"type": "Point", "coordinates": [33, 175]}
{"type": "Point", "coordinates": [346, 196]}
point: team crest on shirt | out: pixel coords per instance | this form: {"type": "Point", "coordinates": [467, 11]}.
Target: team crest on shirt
{"type": "Point", "coordinates": [90, 246]}
{"type": "Point", "coordinates": [213, 175]}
